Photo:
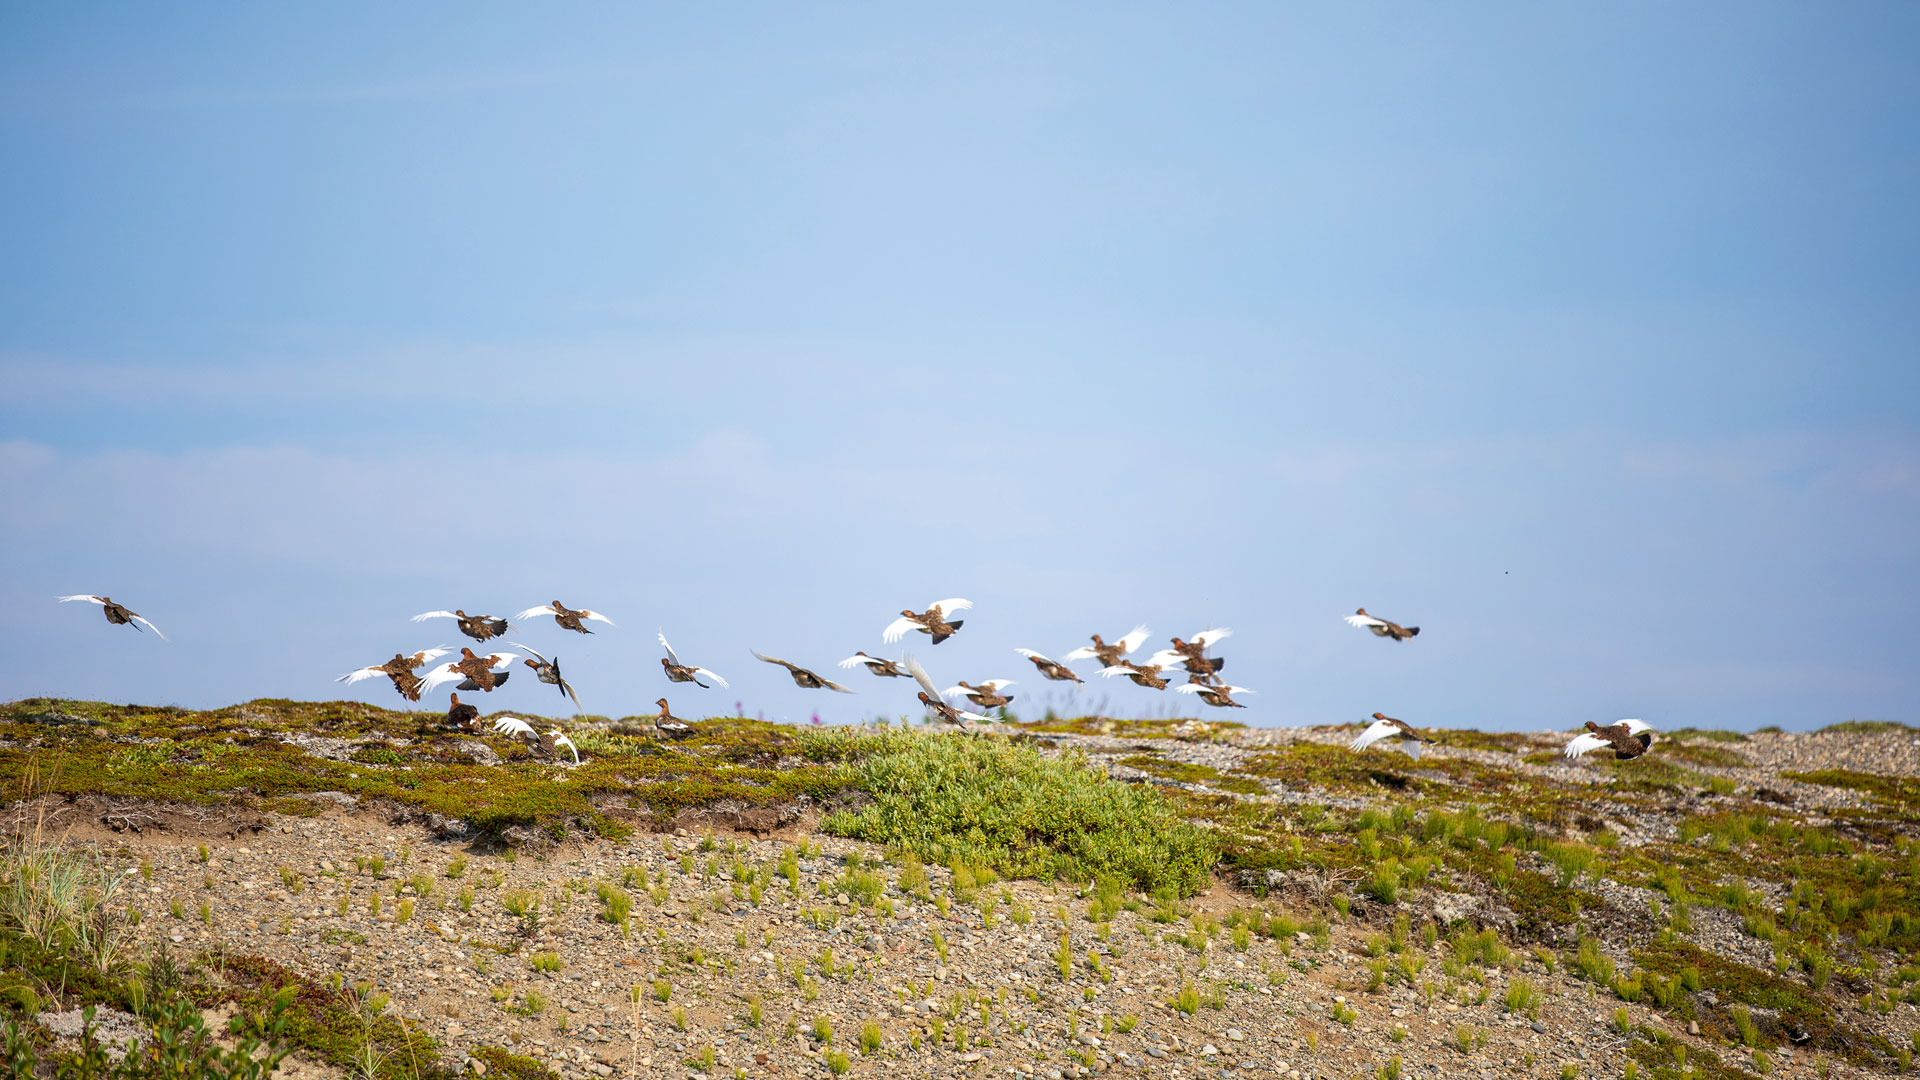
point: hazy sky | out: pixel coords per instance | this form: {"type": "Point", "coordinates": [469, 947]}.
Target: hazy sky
{"type": "Point", "coordinates": [1585, 338]}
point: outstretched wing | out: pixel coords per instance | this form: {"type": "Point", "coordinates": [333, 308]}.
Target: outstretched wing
{"type": "Point", "coordinates": [920, 676]}
{"type": "Point", "coordinates": [856, 658]}
{"type": "Point", "coordinates": [1031, 655]}
{"type": "Point", "coordinates": [772, 660]}
{"type": "Point", "coordinates": [595, 616]}
{"type": "Point", "coordinates": [1110, 672]}
{"type": "Point", "coordinates": [1585, 744]}
{"type": "Point", "coordinates": [1206, 638]}
{"type": "Point", "coordinates": [150, 626]}
{"type": "Point", "coordinates": [357, 674]}
{"type": "Point", "coordinates": [1376, 731]}
{"type": "Point", "coordinates": [948, 607]}
{"type": "Point", "coordinates": [82, 596]}
{"type": "Point", "coordinates": [997, 685]}
{"type": "Point", "coordinates": [898, 629]}
{"type": "Point", "coordinates": [1165, 658]}
{"type": "Point", "coordinates": [437, 676]}
{"type": "Point", "coordinates": [671, 655]}
{"type": "Point", "coordinates": [1134, 639]}
{"type": "Point", "coordinates": [831, 685]}
{"type": "Point", "coordinates": [1084, 652]}
{"type": "Point", "coordinates": [708, 672]}
{"type": "Point", "coordinates": [425, 615]}
{"type": "Point", "coordinates": [531, 652]}
{"type": "Point", "coordinates": [543, 609]}
{"type": "Point", "coordinates": [513, 726]}
{"type": "Point", "coordinates": [1364, 622]}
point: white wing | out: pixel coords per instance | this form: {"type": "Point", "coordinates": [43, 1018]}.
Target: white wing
{"type": "Point", "coordinates": [1031, 655]}
{"type": "Point", "coordinates": [1635, 727]}
{"type": "Point", "coordinates": [543, 609]}
{"type": "Point", "coordinates": [955, 691]}
{"type": "Point", "coordinates": [1206, 638]}
{"type": "Point", "coordinates": [997, 685]}
{"type": "Point", "coordinates": [974, 716]}
{"type": "Point", "coordinates": [437, 676]}
{"type": "Point", "coordinates": [425, 615]}
{"type": "Point", "coordinates": [524, 649]}
{"type": "Point", "coordinates": [1084, 652]}
{"type": "Point", "coordinates": [1585, 744]}
{"type": "Point", "coordinates": [717, 680]}
{"type": "Point", "coordinates": [856, 658]}
{"type": "Point", "coordinates": [948, 607]}
{"type": "Point", "coordinates": [562, 740]}
{"type": "Point", "coordinates": [595, 616]}
{"type": "Point", "coordinates": [150, 626]}
{"type": "Point", "coordinates": [834, 686]}
{"type": "Point", "coordinates": [1110, 672]}
{"type": "Point", "coordinates": [513, 726]}
{"type": "Point", "coordinates": [428, 656]}
{"type": "Point", "coordinates": [501, 659]}
{"type": "Point", "coordinates": [1363, 621]}
{"type": "Point", "coordinates": [670, 653]}
{"type": "Point", "coordinates": [920, 676]}
{"type": "Point", "coordinates": [1165, 658]}
{"type": "Point", "coordinates": [82, 596]}
{"type": "Point", "coordinates": [357, 674]}
{"type": "Point", "coordinates": [1134, 639]}
{"type": "Point", "coordinates": [1376, 731]}
{"type": "Point", "coordinates": [898, 629]}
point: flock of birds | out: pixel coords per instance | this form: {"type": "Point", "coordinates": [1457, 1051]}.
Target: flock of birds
{"type": "Point", "coordinates": [1191, 657]}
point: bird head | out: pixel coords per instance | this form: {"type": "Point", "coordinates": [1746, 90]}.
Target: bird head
{"type": "Point", "coordinates": [662, 703]}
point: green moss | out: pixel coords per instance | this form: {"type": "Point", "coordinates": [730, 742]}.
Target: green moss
{"type": "Point", "coordinates": [1867, 727]}
{"type": "Point", "coordinates": [1127, 729]}
{"type": "Point", "coordinates": [1899, 791]}
{"type": "Point", "coordinates": [1799, 1008]}
{"type": "Point", "coordinates": [511, 1066]}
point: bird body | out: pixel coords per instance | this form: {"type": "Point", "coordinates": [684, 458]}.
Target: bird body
{"type": "Point", "coordinates": [477, 627]}
{"type": "Point", "coordinates": [477, 670]}
{"type": "Point", "coordinates": [1147, 675]}
{"type": "Point", "coordinates": [462, 715]}
{"type": "Point", "coordinates": [567, 617]}
{"type": "Point", "coordinates": [987, 695]}
{"type": "Point", "coordinates": [400, 669]}
{"type": "Point", "coordinates": [548, 671]}
{"type": "Point", "coordinates": [670, 725]}
{"type": "Point", "coordinates": [930, 697]}
{"type": "Point", "coordinates": [931, 621]}
{"type": "Point", "coordinates": [876, 665]}
{"type": "Point", "coordinates": [116, 614]}
{"type": "Point", "coordinates": [1628, 739]}
{"type": "Point", "coordinates": [1109, 655]}
{"type": "Point", "coordinates": [1381, 627]}
{"type": "Point", "coordinates": [554, 741]}
{"type": "Point", "coordinates": [1386, 727]}
{"type": "Point", "coordinates": [1217, 696]}
{"type": "Point", "coordinates": [804, 679]}
{"type": "Point", "coordinates": [1052, 670]}
{"type": "Point", "coordinates": [679, 672]}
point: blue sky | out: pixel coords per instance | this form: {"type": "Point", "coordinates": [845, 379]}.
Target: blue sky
{"type": "Point", "coordinates": [1584, 339]}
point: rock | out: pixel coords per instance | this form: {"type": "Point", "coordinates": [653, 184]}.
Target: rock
{"type": "Point", "coordinates": [1209, 1050]}
{"type": "Point", "coordinates": [479, 1067]}
{"type": "Point", "coordinates": [1538, 1028]}
{"type": "Point", "coordinates": [1693, 1027]}
{"type": "Point", "coordinates": [454, 1030]}
{"type": "Point", "coordinates": [1235, 1035]}
{"type": "Point", "coordinates": [1156, 1052]}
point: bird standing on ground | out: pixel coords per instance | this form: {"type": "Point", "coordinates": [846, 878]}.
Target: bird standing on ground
{"type": "Point", "coordinates": [400, 669]}
{"type": "Point", "coordinates": [548, 671]}
{"type": "Point", "coordinates": [930, 697]}
{"type": "Point", "coordinates": [1381, 627]}
{"type": "Point", "coordinates": [1628, 739]}
{"type": "Point", "coordinates": [1051, 669]}
{"type": "Point", "coordinates": [477, 670]}
{"type": "Point", "coordinates": [670, 725]}
{"type": "Point", "coordinates": [477, 627]}
{"type": "Point", "coordinates": [462, 716]}
{"type": "Point", "coordinates": [117, 615]}
{"type": "Point", "coordinates": [931, 621]}
{"type": "Point", "coordinates": [679, 672]}
{"type": "Point", "coordinates": [884, 668]}
{"type": "Point", "coordinates": [804, 679]}
{"type": "Point", "coordinates": [1109, 655]}
{"type": "Point", "coordinates": [1217, 696]}
{"type": "Point", "coordinates": [568, 618]}
{"type": "Point", "coordinates": [1386, 727]}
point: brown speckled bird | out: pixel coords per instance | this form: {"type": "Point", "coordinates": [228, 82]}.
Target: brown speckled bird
{"type": "Point", "coordinates": [117, 615]}
{"type": "Point", "coordinates": [477, 627]}
{"type": "Point", "coordinates": [884, 668]}
{"type": "Point", "coordinates": [568, 618]}
{"type": "Point", "coordinates": [1628, 739]}
{"type": "Point", "coordinates": [1381, 627]}
{"type": "Point", "coordinates": [400, 669]}
{"type": "Point", "coordinates": [1148, 676]}
{"type": "Point", "coordinates": [1052, 669]}
{"type": "Point", "coordinates": [670, 725]}
{"type": "Point", "coordinates": [931, 621]}
{"type": "Point", "coordinates": [804, 679]}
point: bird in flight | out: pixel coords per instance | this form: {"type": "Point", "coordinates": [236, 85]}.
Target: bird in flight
{"type": "Point", "coordinates": [548, 671]}
{"type": "Point", "coordinates": [1193, 652]}
{"type": "Point", "coordinates": [987, 695]}
{"type": "Point", "coordinates": [1052, 669]}
{"type": "Point", "coordinates": [568, 618]}
{"type": "Point", "coordinates": [477, 627]}
{"type": "Point", "coordinates": [804, 679]}
{"type": "Point", "coordinates": [1386, 727]}
{"type": "Point", "coordinates": [1381, 627]}
{"type": "Point", "coordinates": [883, 668]}
{"type": "Point", "coordinates": [931, 621]}
{"type": "Point", "coordinates": [477, 670]}
{"type": "Point", "coordinates": [679, 672]}
{"type": "Point", "coordinates": [1109, 655]}
{"type": "Point", "coordinates": [1628, 739]}
{"type": "Point", "coordinates": [117, 615]}
{"type": "Point", "coordinates": [400, 669]}
{"type": "Point", "coordinates": [1217, 696]}
{"type": "Point", "coordinates": [930, 697]}
{"type": "Point", "coordinates": [1148, 675]}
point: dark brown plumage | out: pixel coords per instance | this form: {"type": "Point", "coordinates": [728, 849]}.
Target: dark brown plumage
{"type": "Point", "coordinates": [462, 716]}
{"type": "Point", "coordinates": [804, 679]}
